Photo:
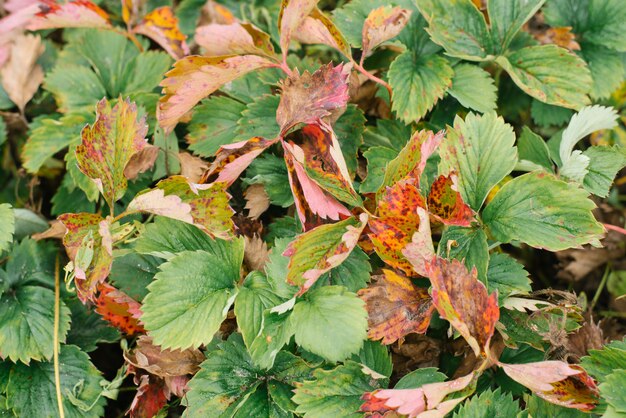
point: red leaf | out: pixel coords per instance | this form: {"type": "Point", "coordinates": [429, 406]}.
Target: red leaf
{"type": "Point", "coordinates": [308, 98]}
{"type": "Point", "coordinates": [195, 77]}
{"type": "Point", "coordinates": [233, 39]}
{"type": "Point", "coordinates": [161, 25]}
{"type": "Point", "coordinates": [119, 309]}
{"type": "Point", "coordinates": [73, 14]}
{"type": "Point", "coordinates": [396, 307]}
{"type": "Point", "coordinates": [462, 300]}
{"type": "Point", "coordinates": [90, 233]}
{"type": "Point", "coordinates": [152, 395]}
{"type": "Point", "coordinates": [397, 221]}
{"type": "Point", "coordinates": [556, 382]}
{"type": "Point", "coordinates": [446, 204]}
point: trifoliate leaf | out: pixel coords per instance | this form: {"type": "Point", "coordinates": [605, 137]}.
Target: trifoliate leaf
{"type": "Point", "coordinates": [190, 297]}
{"type": "Point", "coordinates": [507, 276]}
{"type": "Point", "coordinates": [601, 363]}
{"type": "Point", "coordinates": [7, 226]}
{"type": "Point", "coordinates": [229, 384]}
{"type": "Point", "coordinates": [468, 245]}
{"type": "Point", "coordinates": [334, 393]}
{"type": "Point", "coordinates": [213, 124]}
{"type": "Point", "coordinates": [259, 119]}
{"type": "Point", "coordinates": [489, 404]}
{"type": "Point", "coordinates": [330, 310]}
{"type": "Point", "coordinates": [531, 147]}
{"type": "Point", "coordinates": [254, 297]}
{"type": "Point", "coordinates": [133, 272]}
{"type": "Point", "coordinates": [27, 305]}
{"type": "Point", "coordinates": [270, 171]}
{"type": "Point", "coordinates": [547, 115]}
{"type": "Point", "coordinates": [507, 18]}
{"type": "Point", "coordinates": [474, 88]}
{"type": "Point", "coordinates": [418, 83]}
{"type": "Point", "coordinates": [31, 390]}
{"type": "Point", "coordinates": [537, 407]}
{"type": "Point", "coordinates": [550, 74]}
{"type": "Point", "coordinates": [459, 27]}
{"type": "Point", "coordinates": [607, 69]}
{"type": "Point", "coordinates": [480, 150]}
{"type": "Point", "coordinates": [612, 390]}
{"type": "Point", "coordinates": [604, 164]}
{"type": "Point", "coordinates": [544, 212]}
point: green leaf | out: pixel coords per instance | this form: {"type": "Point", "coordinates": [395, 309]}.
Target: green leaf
{"type": "Point", "coordinates": [507, 276]}
{"type": "Point", "coordinates": [190, 297]}
{"type": "Point", "coordinates": [612, 390]}
{"type": "Point", "coordinates": [531, 147]}
{"type": "Point", "coordinates": [470, 246]}
{"type": "Point", "coordinates": [489, 404]}
{"type": "Point", "coordinates": [28, 223]}
{"type": "Point", "coordinates": [88, 328]}
{"type": "Point", "coordinates": [480, 149]}
{"type": "Point", "coordinates": [167, 162]}
{"type": "Point", "coordinates": [601, 363]}
{"type": "Point", "coordinates": [544, 212]}
{"type": "Point", "coordinates": [349, 131]}
{"type": "Point", "coordinates": [330, 311]}
{"type": "Point", "coordinates": [76, 88]}
{"type": "Point", "coordinates": [259, 119]}
{"type": "Point", "coordinates": [459, 27]}
{"type": "Point", "coordinates": [420, 377]}
{"type": "Point", "coordinates": [3, 132]}
{"type": "Point", "coordinates": [474, 88]}
{"type": "Point", "coordinates": [254, 297]}
{"type": "Point", "coordinates": [7, 226]}
{"type": "Point", "coordinates": [276, 331]}
{"type": "Point", "coordinates": [353, 273]}
{"type": "Point", "coordinates": [27, 305]}
{"type": "Point", "coordinates": [229, 384]}
{"type": "Point", "coordinates": [377, 160]}
{"type": "Point", "coordinates": [607, 69]}
{"type": "Point", "coordinates": [271, 171]}
{"type": "Point", "coordinates": [213, 124]}
{"type": "Point", "coordinates": [31, 390]}
{"type": "Point", "coordinates": [537, 407]}
{"type": "Point", "coordinates": [600, 22]}
{"type": "Point", "coordinates": [418, 82]}
{"type": "Point", "coordinates": [604, 164]}
{"type": "Point", "coordinates": [376, 357]}
{"type": "Point", "coordinates": [47, 136]}
{"type": "Point", "coordinates": [249, 87]}
{"type": "Point", "coordinates": [133, 272]}
{"type": "Point", "coordinates": [550, 74]}
{"type": "Point", "coordinates": [547, 115]}
{"type": "Point", "coordinates": [334, 393]}
{"type": "Point", "coordinates": [388, 133]}
{"type": "Point", "coordinates": [507, 17]}
{"type": "Point", "coordinates": [80, 180]}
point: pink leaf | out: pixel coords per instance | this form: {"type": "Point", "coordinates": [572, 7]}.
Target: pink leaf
{"type": "Point", "coordinates": [421, 250]}
{"type": "Point", "coordinates": [234, 39]}
{"type": "Point", "coordinates": [292, 14]}
{"type": "Point", "coordinates": [155, 201]}
{"type": "Point", "coordinates": [382, 24]}
{"type": "Point", "coordinates": [73, 14]}
{"type": "Point", "coordinates": [317, 28]}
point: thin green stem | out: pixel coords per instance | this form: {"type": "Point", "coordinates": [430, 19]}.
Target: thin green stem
{"type": "Point", "coordinates": [605, 277]}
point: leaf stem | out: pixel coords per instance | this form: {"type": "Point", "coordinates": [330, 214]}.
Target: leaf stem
{"type": "Point", "coordinates": [615, 228]}
{"type": "Point", "coordinates": [372, 77]}
{"type": "Point", "coordinates": [600, 287]}
{"type": "Point", "coordinates": [57, 375]}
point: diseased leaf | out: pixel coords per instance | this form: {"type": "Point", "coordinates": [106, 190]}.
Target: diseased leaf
{"type": "Point", "coordinates": [109, 144]}
{"type": "Point", "coordinates": [119, 309]}
{"type": "Point", "coordinates": [195, 77]}
{"type": "Point", "coordinates": [446, 204]}
{"type": "Point", "coordinates": [161, 26]}
{"type": "Point", "coordinates": [317, 251]}
{"type": "Point", "coordinates": [383, 24]}
{"type": "Point", "coordinates": [73, 14]}
{"type": "Point", "coordinates": [604, 164]}
{"type": "Point", "coordinates": [292, 14]}
{"type": "Point", "coordinates": [88, 234]}
{"type": "Point", "coordinates": [418, 83]}
{"type": "Point", "coordinates": [507, 17]}
{"type": "Point", "coordinates": [544, 212]}
{"type": "Point", "coordinates": [317, 28]}
{"type": "Point", "coordinates": [550, 74]}
{"type": "Point", "coordinates": [21, 74]}
{"type": "Point", "coordinates": [556, 382]}
{"type": "Point", "coordinates": [162, 362]}
{"type": "Point", "coordinates": [308, 98]}
{"type": "Point", "coordinates": [480, 150]}
{"type": "Point", "coordinates": [463, 300]}
{"type": "Point", "coordinates": [235, 38]}
{"type": "Point", "coordinates": [396, 307]}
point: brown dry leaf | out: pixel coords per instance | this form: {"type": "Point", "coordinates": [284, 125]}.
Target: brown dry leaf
{"type": "Point", "coordinates": [417, 351]}
{"type": "Point", "coordinates": [191, 166]}
{"type": "Point", "coordinates": [561, 36]}
{"type": "Point", "coordinates": [575, 264]}
{"type": "Point", "coordinates": [588, 337]}
{"type": "Point", "coordinates": [163, 363]}
{"type": "Point", "coordinates": [141, 162]}
{"type": "Point", "coordinates": [396, 307]}
{"type": "Point", "coordinates": [56, 231]}
{"type": "Point", "coordinates": [257, 200]}
{"type": "Point", "coordinates": [21, 75]}
{"type": "Point", "coordinates": [256, 253]}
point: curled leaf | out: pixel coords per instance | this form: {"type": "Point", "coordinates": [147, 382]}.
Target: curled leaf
{"type": "Point", "coordinates": [446, 204]}
{"type": "Point", "coordinates": [163, 362]}
{"type": "Point", "coordinates": [381, 25]}
{"type": "Point", "coordinates": [396, 307]}
{"type": "Point", "coordinates": [161, 25]}
{"type": "Point", "coordinates": [233, 39]}
{"type": "Point", "coordinates": [195, 77]}
{"type": "Point", "coordinates": [73, 14]}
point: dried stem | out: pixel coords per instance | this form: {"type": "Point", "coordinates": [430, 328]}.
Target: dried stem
{"type": "Point", "coordinates": [57, 375]}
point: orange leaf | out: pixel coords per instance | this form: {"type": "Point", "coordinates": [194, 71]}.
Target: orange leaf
{"type": "Point", "coordinates": [462, 300]}
{"type": "Point", "coordinates": [397, 221]}
{"type": "Point", "coordinates": [396, 307]}
{"type": "Point", "coordinates": [561, 36]}
{"type": "Point", "coordinates": [73, 14]}
{"type": "Point", "coordinates": [161, 25]}
{"type": "Point", "coordinates": [119, 309]}
{"type": "Point", "coordinates": [446, 204]}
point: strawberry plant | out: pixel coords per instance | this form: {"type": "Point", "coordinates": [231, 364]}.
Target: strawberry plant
{"type": "Point", "coordinates": [306, 208]}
